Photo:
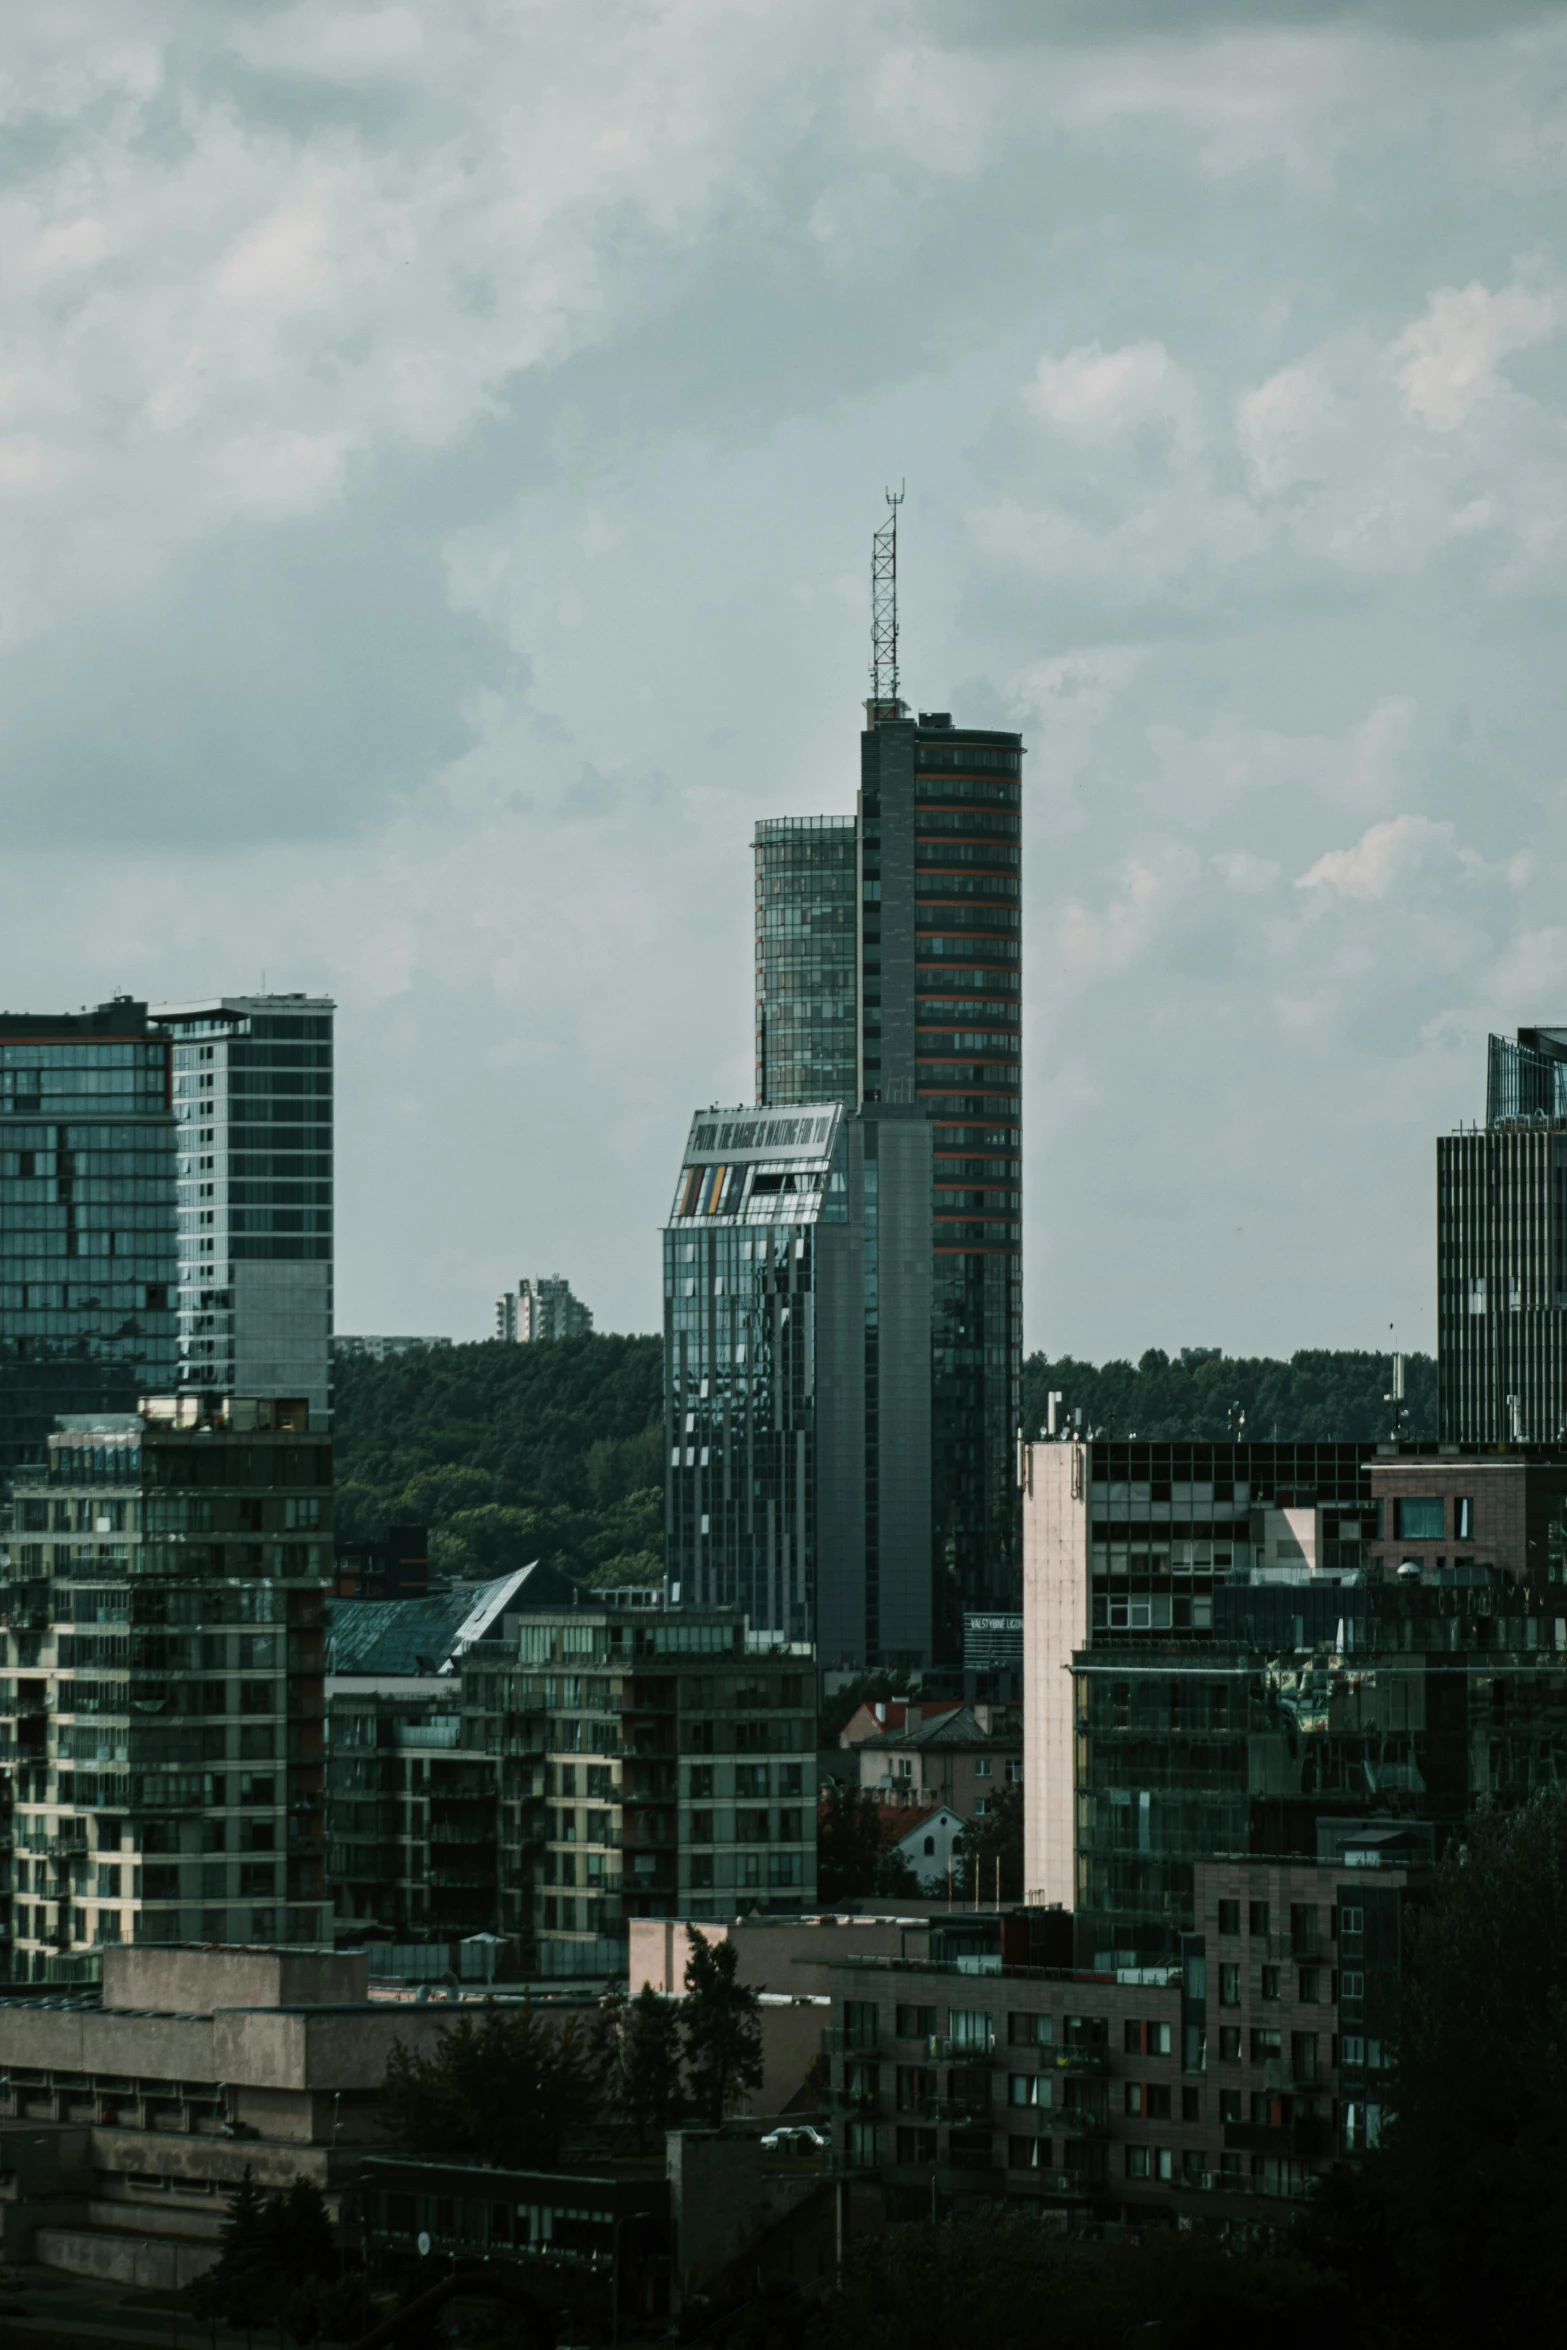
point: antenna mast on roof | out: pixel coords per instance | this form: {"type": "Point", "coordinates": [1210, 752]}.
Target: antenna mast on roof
{"type": "Point", "coordinates": [885, 702]}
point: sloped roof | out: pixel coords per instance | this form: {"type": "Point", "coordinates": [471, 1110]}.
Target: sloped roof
{"type": "Point", "coordinates": [886, 1715]}
{"type": "Point", "coordinates": [407, 1638]}
{"type": "Point", "coordinates": [958, 1728]}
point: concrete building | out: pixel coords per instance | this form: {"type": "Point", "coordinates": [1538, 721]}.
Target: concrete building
{"type": "Point", "coordinates": [1247, 1649]}
{"type": "Point", "coordinates": [380, 1349]}
{"type": "Point", "coordinates": [89, 1264]}
{"type": "Point", "coordinates": [253, 1105]}
{"type": "Point", "coordinates": [165, 1579]}
{"type": "Point", "coordinates": [1185, 2092]}
{"type": "Point", "coordinates": [537, 1311]}
{"type": "Point", "coordinates": [197, 2065]}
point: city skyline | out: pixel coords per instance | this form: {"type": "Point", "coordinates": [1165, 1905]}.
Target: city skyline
{"type": "Point", "coordinates": [380, 626]}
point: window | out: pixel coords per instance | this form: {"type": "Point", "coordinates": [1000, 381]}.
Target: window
{"type": "Point", "coordinates": [1420, 1520]}
{"type": "Point", "coordinates": [981, 1806]}
{"type": "Point", "coordinates": [1310, 1984]}
{"type": "Point", "coordinates": [982, 1768]}
{"type": "Point", "coordinates": [1270, 1982]}
{"type": "Point", "coordinates": [1134, 2097]}
{"type": "Point", "coordinates": [919, 2146]}
{"type": "Point", "coordinates": [916, 2023]}
{"type": "Point", "coordinates": [701, 1868]}
{"type": "Point", "coordinates": [1352, 1985]}
{"type": "Point", "coordinates": [1229, 1986]}
{"type": "Point", "coordinates": [1266, 2047]}
{"type": "Point", "coordinates": [1351, 1921]}
{"type": "Point", "coordinates": [1229, 2043]}
{"type": "Point", "coordinates": [1230, 2105]}
{"type": "Point", "coordinates": [1257, 1919]}
{"type": "Point", "coordinates": [1030, 2031]}
{"type": "Point", "coordinates": [914, 2089]}
{"type": "Point", "coordinates": [1229, 1917]}
{"type": "Point", "coordinates": [970, 2027]}
{"type": "Point", "coordinates": [1137, 2162]}
{"type": "Point", "coordinates": [1141, 2039]}
{"type": "Point", "coordinates": [1464, 1518]}
{"type": "Point", "coordinates": [1191, 2105]}
{"type": "Point", "coordinates": [1034, 2089]}
{"type": "Point", "coordinates": [701, 1782]}
{"type": "Point", "coordinates": [860, 2023]}
{"type": "Point", "coordinates": [1156, 2101]}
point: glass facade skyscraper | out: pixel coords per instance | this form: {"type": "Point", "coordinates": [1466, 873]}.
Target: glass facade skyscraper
{"type": "Point", "coordinates": [1502, 1252]}
{"type": "Point", "coordinates": [253, 1104]}
{"type": "Point", "coordinates": [88, 1265]}
{"type": "Point", "coordinates": [807, 956]}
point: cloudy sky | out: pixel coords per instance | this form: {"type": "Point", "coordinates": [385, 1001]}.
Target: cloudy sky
{"type": "Point", "coordinates": [439, 445]}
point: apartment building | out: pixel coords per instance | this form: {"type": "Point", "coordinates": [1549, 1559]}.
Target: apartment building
{"type": "Point", "coordinates": [162, 1705]}
{"type": "Point", "coordinates": [960, 1756]}
{"type": "Point", "coordinates": [1191, 2091]}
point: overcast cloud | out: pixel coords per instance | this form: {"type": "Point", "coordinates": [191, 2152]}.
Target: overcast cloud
{"type": "Point", "coordinates": [438, 451]}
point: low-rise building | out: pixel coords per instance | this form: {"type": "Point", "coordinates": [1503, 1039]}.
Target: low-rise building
{"type": "Point", "coordinates": [197, 2065]}
{"type": "Point", "coordinates": [960, 1756]}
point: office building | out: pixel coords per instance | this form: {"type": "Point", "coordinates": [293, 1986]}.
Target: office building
{"type": "Point", "coordinates": [807, 960]}
{"type": "Point", "coordinates": [165, 1589]}
{"type": "Point", "coordinates": [888, 1005]}
{"type": "Point", "coordinates": [1254, 1649]}
{"type": "Point", "coordinates": [797, 1400]}
{"type": "Point", "coordinates": [88, 1263]}
{"type": "Point", "coordinates": [253, 1104]}
{"type": "Point", "coordinates": [1502, 1252]}
{"type": "Point", "coordinates": [539, 1310]}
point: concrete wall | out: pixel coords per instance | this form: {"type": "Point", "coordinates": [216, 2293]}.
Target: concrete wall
{"type": "Point", "coordinates": [195, 1982]}
{"type": "Point", "coordinates": [146, 2264]}
{"type": "Point", "coordinates": [780, 1954]}
{"type": "Point", "coordinates": [1055, 1622]}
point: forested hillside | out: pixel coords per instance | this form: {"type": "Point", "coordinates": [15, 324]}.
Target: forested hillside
{"type": "Point", "coordinates": [1199, 1392]}
{"type": "Point", "coordinates": [510, 1453]}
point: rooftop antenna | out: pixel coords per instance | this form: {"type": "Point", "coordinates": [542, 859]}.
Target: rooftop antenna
{"type": "Point", "coordinates": [885, 700]}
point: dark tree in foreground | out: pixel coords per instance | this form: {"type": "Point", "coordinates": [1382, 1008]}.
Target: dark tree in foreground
{"type": "Point", "coordinates": [1456, 2231]}
{"type": "Point", "coordinates": [278, 2261]}
{"type": "Point", "coordinates": [720, 2020]}
{"type": "Point", "coordinates": [997, 1838]}
{"type": "Point", "coordinates": [636, 2044]}
{"type": "Point", "coordinates": [849, 1843]}
{"type": "Point", "coordinates": [502, 2089]}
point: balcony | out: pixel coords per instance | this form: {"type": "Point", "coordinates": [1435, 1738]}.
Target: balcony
{"type": "Point", "coordinates": [1282, 2076]}
{"type": "Point", "coordinates": [860, 2101]}
{"type": "Point", "coordinates": [950, 2051]}
{"type": "Point", "coordinates": [1074, 2060]}
{"type": "Point", "coordinates": [1078, 2184]}
{"type": "Point", "coordinates": [1309, 2140]}
{"type": "Point", "coordinates": [838, 2042]}
{"type": "Point", "coordinates": [1074, 2121]}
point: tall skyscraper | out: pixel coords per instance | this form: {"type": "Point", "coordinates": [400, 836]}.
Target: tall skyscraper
{"type": "Point", "coordinates": [807, 959]}
{"type": "Point", "coordinates": [1502, 1252]}
{"type": "Point", "coordinates": [88, 1265]}
{"type": "Point", "coordinates": [253, 1104]}
{"type": "Point", "coordinates": [888, 979]}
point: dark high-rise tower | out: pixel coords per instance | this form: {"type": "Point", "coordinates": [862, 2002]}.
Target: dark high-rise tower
{"type": "Point", "coordinates": [88, 1258]}
{"type": "Point", "coordinates": [1502, 1252]}
{"type": "Point", "coordinates": [888, 979]}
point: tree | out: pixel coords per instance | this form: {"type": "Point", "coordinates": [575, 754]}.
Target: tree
{"type": "Point", "coordinates": [720, 2022]}
{"type": "Point", "coordinates": [1458, 2225]}
{"type": "Point", "coordinates": [998, 1836]}
{"type": "Point", "coordinates": [849, 1842]}
{"type": "Point", "coordinates": [637, 2047]}
{"type": "Point", "coordinates": [1318, 1394]}
{"type": "Point", "coordinates": [278, 2258]}
{"type": "Point", "coordinates": [503, 2089]}
{"type": "Point", "coordinates": [895, 1878]}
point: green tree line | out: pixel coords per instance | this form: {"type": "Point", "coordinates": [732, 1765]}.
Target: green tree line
{"type": "Point", "coordinates": [509, 1453]}
{"type": "Point", "coordinates": [1319, 1395]}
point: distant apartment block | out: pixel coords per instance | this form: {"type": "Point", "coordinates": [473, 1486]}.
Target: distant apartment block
{"type": "Point", "coordinates": [379, 1349]}
{"type": "Point", "coordinates": [89, 1262]}
{"type": "Point", "coordinates": [541, 1309]}
{"type": "Point", "coordinates": [253, 1107]}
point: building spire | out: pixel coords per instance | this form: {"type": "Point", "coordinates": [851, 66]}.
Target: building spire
{"type": "Point", "coordinates": [884, 701]}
